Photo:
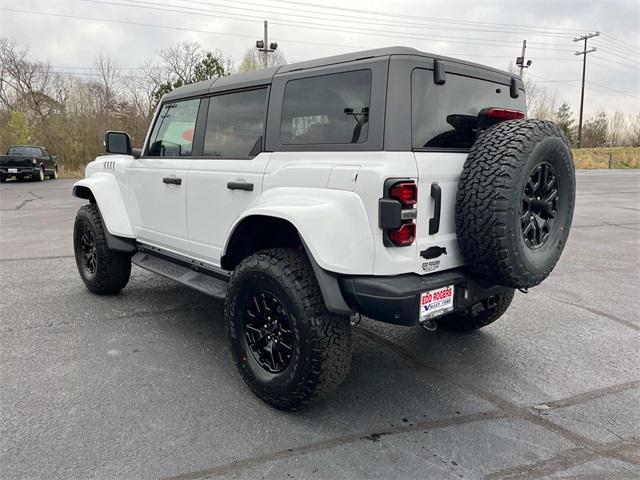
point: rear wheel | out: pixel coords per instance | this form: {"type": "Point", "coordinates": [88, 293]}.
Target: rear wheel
{"type": "Point", "coordinates": [488, 311]}
{"type": "Point", "coordinates": [289, 349]}
{"type": "Point", "coordinates": [54, 174]}
{"type": "Point", "coordinates": [3, 178]}
{"type": "Point", "coordinates": [102, 270]}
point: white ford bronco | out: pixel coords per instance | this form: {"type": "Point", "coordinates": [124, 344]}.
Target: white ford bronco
{"type": "Point", "coordinates": [394, 184]}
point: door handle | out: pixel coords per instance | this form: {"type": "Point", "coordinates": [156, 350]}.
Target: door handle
{"type": "Point", "coordinates": [434, 222]}
{"type": "Point", "coordinates": [240, 186]}
{"type": "Point", "coordinates": [172, 180]}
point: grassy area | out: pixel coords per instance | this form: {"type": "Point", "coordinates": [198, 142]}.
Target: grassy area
{"type": "Point", "coordinates": [621, 157]}
{"type": "Point", "coordinates": [70, 172]}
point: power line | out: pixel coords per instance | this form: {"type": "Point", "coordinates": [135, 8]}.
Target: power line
{"type": "Point", "coordinates": [570, 83]}
{"type": "Point", "coordinates": [156, 6]}
{"type": "Point", "coordinates": [616, 62]}
{"type": "Point", "coordinates": [613, 90]}
{"type": "Point", "coordinates": [630, 45]}
{"type": "Point", "coordinates": [429, 23]}
{"type": "Point", "coordinates": [610, 69]}
{"type": "Point", "coordinates": [168, 27]}
{"type": "Point", "coordinates": [623, 57]}
{"type": "Point", "coordinates": [432, 19]}
{"type": "Point", "coordinates": [624, 50]}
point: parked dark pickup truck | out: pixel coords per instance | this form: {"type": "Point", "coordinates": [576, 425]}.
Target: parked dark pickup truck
{"type": "Point", "coordinates": [28, 161]}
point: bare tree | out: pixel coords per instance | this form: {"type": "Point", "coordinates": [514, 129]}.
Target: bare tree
{"type": "Point", "coordinates": [253, 61]}
{"type": "Point", "coordinates": [542, 102]}
{"type": "Point", "coordinates": [617, 129]}
{"type": "Point", "coordinates": [634, 130]}
{"type": "Point", "coordinates": [182, 59]}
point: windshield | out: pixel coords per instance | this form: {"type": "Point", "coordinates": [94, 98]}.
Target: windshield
{"type": "Point", "coordinates": [25, 151]}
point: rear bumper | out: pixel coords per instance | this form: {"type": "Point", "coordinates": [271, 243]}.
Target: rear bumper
{"type": "Point", "coordinates": [20, 171]}
{"type": "Point", "coordinates": [396, 299]}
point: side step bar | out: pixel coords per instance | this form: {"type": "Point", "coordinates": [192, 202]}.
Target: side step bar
{"type": "Point", "coordinates": [213, 286]}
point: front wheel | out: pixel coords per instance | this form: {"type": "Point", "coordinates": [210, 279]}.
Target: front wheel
{"type": "Point", "coordinates": [54, 174]}
{"type": "Point", "coordinates": [102, 270]}
{"type": "Point", "coordinates": [39, 177]}
{"type": "Point", "coordinates": [488, 311]}
{"type": "Point", "coordinates": [289, 349]}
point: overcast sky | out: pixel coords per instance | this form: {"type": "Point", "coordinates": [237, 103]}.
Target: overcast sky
{"type": "Point", "coordinates": [485, 31]}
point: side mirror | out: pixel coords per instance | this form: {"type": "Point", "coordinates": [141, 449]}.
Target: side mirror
{"type": "Point", "coordinates": [117, 142]}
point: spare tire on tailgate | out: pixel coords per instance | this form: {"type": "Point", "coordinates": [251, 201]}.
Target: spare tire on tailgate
{"type": "Point", "coordinates": [515, 202]}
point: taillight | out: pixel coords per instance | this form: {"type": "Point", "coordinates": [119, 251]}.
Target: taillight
{"type": "Point", "coordinates": [504, 114]}
{"type": "Point", "coordinates": [405, 192]}
{"type": "Point", "coordinates": [397, 212]}
{"type": "Point", "coordinates": [403, 236]}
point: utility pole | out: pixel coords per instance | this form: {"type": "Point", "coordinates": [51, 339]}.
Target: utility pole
{"type": "Point", "coordinates": [265, 47]}
{"type": "Point", "coordinates": [584, 71]}
{"type": "Point", "coordinates": [520, 60]}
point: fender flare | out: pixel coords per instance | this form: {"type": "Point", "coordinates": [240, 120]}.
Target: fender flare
{"type": "Point", "coordinates": [332, 224]}
{"type": "Point", "coordinates": [103, 189]}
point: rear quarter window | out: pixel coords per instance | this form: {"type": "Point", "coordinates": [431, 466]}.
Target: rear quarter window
{"type": "Point", "coordinates": [445, 116]}
{"type": "Point", "coordinates": [327, 109]}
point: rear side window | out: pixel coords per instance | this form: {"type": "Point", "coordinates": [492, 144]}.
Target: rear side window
{"type": "Point", "coordinates": [25, 151]}
{"type": "Point", "coordinates": [327, 109]}
{"type": "Point", "coordinates": [446, 116]}
{"type": "Point", "coordinates": [172, 134]}
{"type": "Point", "coordinates": [235, 124]}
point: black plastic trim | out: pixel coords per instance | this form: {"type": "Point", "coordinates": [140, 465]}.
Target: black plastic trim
{"type": "Point", "coordinates": [184, 261]}
{"type": "Point", "coordinates": [240, 186]}
{"type": "Point", "coordinates": [389, 213]}
{"type": "Point", "coordinates": [396, 299]}
{"type": "Point", "coordinates": [120, 244]}
{"type": "Point", "coordinates": [513, 88]}
{"type": "Point", "coordinates": [329, 286]}
{"type": "Point", "coordinates": [439, 72]}
{"type": "Point", "coordinates": [434, 222]}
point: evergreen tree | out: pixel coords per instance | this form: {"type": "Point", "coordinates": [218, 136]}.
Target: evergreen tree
{"type": "Point", "coordinates": [566, 122]}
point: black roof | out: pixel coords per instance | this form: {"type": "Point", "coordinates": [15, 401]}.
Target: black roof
{"type": "Point", "coordinates": [265, 76]}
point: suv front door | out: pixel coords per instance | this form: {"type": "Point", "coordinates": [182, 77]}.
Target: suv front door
{"type": "Point", "coordinates": [158, 180]}
{"type": "Point", "coordinates": [227, 178]}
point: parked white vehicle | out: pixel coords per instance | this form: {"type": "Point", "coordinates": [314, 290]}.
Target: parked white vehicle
{"type": "Point", "coordinates": [391, 183]}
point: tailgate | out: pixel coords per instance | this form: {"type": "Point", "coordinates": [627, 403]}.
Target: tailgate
{"type": "Point", "coordinates": [14, 161]}
{"type": "Point", "coordinates": [444, 127]}
{"type": "Point", "coordinates": [437, 246]}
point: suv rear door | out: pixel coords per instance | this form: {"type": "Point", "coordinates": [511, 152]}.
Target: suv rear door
{"type": "Point", "coordinates": [227, 177]}
{"type": "Point", "coordinates": [444, 127]}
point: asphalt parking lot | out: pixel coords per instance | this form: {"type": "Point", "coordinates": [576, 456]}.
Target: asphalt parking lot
{"type": "Point", "coordinates": [141, 385]}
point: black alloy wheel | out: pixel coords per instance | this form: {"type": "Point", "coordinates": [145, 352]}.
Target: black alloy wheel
{"type": "Point", "coordinates": [88, 249]}
{"type": "Point", "coordinates": [267, 332]}
{"type": "Point", "coordinates": [539, 205]}
{"type": "Point", "coordinates": [289, 349]}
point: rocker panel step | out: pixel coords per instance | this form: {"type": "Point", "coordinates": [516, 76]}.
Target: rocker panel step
{"type": "Point", "coordinates": [202, 282]}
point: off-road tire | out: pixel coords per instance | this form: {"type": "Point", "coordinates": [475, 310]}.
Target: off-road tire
{"type": "Point", "coordinates": [489, 203]}
{"type": "Point", "coordinates": [321, 340]}
{"type": "Point", "coordinates": [466, 321]}
{"type": "Point", "coordinates": [112, 269]}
